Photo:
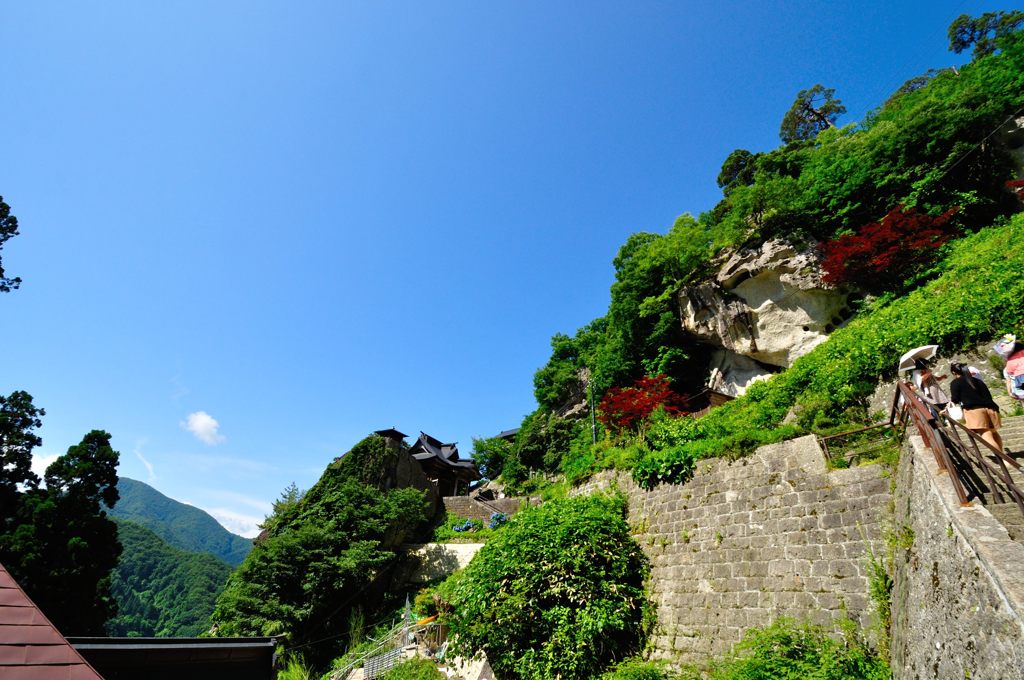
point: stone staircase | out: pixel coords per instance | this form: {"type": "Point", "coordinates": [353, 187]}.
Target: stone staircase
{"type": "Point", "coordinates": [1012, 432]}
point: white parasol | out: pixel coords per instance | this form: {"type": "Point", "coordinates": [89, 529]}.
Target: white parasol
{"type": "Point", "coordinates": [923, 352]}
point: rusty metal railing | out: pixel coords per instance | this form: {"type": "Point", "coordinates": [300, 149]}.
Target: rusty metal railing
{"type": "Point", "coordinates": [970, 462]}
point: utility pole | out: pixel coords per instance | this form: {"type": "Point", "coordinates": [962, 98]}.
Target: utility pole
{"type": "Point", "coordinates": [593, 422]}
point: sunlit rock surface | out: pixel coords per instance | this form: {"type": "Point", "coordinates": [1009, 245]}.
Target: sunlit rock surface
{"type": "Point", "coordinates": [765, 306]}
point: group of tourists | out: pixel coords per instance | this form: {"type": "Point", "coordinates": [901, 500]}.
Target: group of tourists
{"type": "Point", "coordinates": [969, 398]}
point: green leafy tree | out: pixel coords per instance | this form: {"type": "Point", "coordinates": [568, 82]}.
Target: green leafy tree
{"type": "Point", "coordinates": [283, 506]}
{"type": "Point", "coordinates": [325, 555]}
{"type": "Point", "coordinates": [8, 230]}
{"type": "Point", "coordinates": [983, 32]}
{"type": "Point", "coordinates": [737, 170]}
{"type": "Point", "coordinates": [814, 110]}
{"type": "Point", "coordinates": [19, 418]}
{"type": "Point", "coordinates": [490, 455]}
{"type": "Point", "coordinates": [63, 546]}
{"type": "Point", "coordinates": [558, 593]}
{"type": "Point", "coordinates": [543, 439]}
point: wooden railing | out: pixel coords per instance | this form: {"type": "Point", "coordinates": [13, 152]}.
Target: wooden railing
{"type": "Point", "coordinates": [973, 465]}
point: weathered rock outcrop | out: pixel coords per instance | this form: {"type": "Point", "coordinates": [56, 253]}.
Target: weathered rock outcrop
{"type": "Point", "coordinates": [1011, 137]}
{"type": "Point", "coordinates": [765, 308]}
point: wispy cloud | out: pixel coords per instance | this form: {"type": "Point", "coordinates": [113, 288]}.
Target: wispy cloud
{"type": "Point", "coordinates": [204, 426]}
{"type": "Point", "coordinates": [178, 388]}
{"type": "Point", "coordinates": [149, 466]}
{"type": "Point", "coordinates": [237, 522]}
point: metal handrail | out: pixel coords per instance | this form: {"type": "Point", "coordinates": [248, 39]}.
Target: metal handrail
{"type": "Point", "coordinates": [989, 466]}
{"type": "Point", "coordinates": [393, 638]}
{"type": "Point", "coordinates": [911, 405]}
{"type": "Point", "coordinates": [945, 437]}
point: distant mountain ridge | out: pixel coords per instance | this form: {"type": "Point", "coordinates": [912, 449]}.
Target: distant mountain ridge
{"type": "Point", "coordinates": [182, 526]}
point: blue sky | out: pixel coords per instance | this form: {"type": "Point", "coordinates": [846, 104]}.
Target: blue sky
{"type": "Point", "coordinates": [253, 232]}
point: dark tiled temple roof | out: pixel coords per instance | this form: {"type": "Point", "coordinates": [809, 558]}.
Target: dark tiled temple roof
{"type": "Point", "coordinates": [427, 448]}
{"type": "Point", "coordinates": [31, 648]}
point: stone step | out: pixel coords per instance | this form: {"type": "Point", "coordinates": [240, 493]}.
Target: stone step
{"type": "Point", "coordinates": [1009, 516]}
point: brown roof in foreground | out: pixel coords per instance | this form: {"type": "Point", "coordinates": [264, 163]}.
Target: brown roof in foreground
{"type": "Point", "coordinates": [31, 648]}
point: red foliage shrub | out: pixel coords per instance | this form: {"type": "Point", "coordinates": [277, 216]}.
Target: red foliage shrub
{"type": "Point", "coordinates": [1017, 187]}
{"type": "Point", "coordinates": [625, 408]}
{"type": "Point", "coordinates": [881, 255]}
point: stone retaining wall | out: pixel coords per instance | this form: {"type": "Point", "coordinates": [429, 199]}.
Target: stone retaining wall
{"type": "Point", "coordinates": [959, 588]}
{"type": "Point", "coordinates": [435, 561]}
{"type": "Point", "coordinates": [466, 506]}
{"type": "Point", "coordinates": [744, 542]}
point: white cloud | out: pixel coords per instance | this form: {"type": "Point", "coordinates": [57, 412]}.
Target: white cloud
{"type": "Point", "coordinates": [204, 427]}
{"type": "Point", "coordinates": [237, 522]}
{"type": "Point", "coordinates": [41, 462]}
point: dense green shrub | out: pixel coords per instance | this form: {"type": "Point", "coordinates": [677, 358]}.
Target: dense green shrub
{"type": "Point", "coordinates": [638, 669]}
{"type": "Point", "coordinates": [455, 529]}
{"type": "Point", "coordinates": [558, 593]}
{"type": "Point", "coordinates": [789, 650]}
{"type": "Point", "coordinates": [414, 669]}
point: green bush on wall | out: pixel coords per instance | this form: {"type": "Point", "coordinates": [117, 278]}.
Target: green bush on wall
{"type": "Point", "coordinates": [558, 593]}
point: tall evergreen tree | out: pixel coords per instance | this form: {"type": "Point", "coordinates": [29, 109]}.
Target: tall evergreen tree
{"type": "Point", "coordinates": [19, 419]}
{"type": "Point", "coordinates": [8, 229]}
{"type": "Point", "coordinates": [58, 541]}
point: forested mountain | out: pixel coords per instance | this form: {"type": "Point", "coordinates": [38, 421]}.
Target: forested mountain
{"type": "Point", "coordinates": [162, 591]}
{"type": "Point", "coordinates": [180, 525]}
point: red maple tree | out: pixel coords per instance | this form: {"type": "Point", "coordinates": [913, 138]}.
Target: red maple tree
{"type": "Point", "coordinates": [881, 255]}
{"type": "Point", "coordinates": [626, 408]}
{"type": "Point", "coordinates": [1017, 187]}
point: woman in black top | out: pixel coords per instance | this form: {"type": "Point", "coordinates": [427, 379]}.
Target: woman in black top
{"type": "Point", "coordinates": [980, 412]}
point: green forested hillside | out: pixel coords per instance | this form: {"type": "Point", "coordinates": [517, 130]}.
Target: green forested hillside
{"type": "Point", "coordinates": [162, 591]}
{"type": "Point", "coordinates": [327, 557]}
{"type": "Point", "coordinates": [182, 526]}
{"type": "Point", "coordinates": [886, 200]}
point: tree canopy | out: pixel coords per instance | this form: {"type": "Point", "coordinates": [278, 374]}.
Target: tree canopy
{"type": "Point", "coordinates": [8, 229]}
{"type": "Point", "coordinates": [983, 32]}
{"type": "Point", "coordinates": [58, 542]}
{"type": "Point", "coordinates": [814, 110]}
{"type": "Point", "coordinates": [162, 591]}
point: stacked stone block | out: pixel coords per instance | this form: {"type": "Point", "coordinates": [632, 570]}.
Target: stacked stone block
{"type": "Point", "coordinates": [466, 506]}
{"type": "Point", "coordinates": [958, 599]}
{"type": "Point", "coordinates": [745, 542]}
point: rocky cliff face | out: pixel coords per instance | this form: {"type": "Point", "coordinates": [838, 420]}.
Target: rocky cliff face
{"type": "Point", "coordinates": [765, 307]}
{"type": "Point", "coordinates": [1011, 136]}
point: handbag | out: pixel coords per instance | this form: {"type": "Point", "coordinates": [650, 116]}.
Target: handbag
{"type": "Point", "coordinates": [954, 412]}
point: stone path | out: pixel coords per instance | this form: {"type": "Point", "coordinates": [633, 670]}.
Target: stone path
{"type": "Point", "coordinates": [1009, 514]}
